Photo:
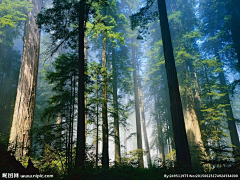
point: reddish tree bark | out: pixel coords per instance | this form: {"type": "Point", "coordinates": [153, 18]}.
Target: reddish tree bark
{"type": "Point", "coordinates": [20, 138]}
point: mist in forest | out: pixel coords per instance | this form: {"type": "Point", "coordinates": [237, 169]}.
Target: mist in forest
{"type": "Point", "coordinates": [113, 84]}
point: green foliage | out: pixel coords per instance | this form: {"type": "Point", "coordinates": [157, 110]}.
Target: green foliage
{"type": "Point", "coordinates": [13, 11]}
{"type": "Point", "coordinates": [131, 158]}
{"type": "Point", "coordinates": [175, 16]}
{"type": "Point", "coordinates": [64, 71]}
{"type": "Point", "coordinates": [213, 106]}
{"type": "Point", "coordinates": [170, 155]}
{"type": "Point", "coordinates": [61, 22]}
{"type": "Point", "coordinates": [222, 159]}
{"type": "Point", "coordinates": [49, 156]}
{"type": "Point", "coordinates": [109, 23]}
{"type": "Point", "coordinates": [53, 137]}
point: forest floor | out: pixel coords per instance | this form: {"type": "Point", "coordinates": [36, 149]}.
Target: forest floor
{"type": "Point", "coordinates": [8, 164]}
{"type": "Point", "coordinates": [123, 173]}
{"type": "Point", "coordinates": [153, 173]}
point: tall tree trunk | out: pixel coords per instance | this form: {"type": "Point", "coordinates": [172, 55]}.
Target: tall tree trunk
{"type": "Point", "coordinates": [190, 119]}
{"type": "Point", "coordinates": [80, 149]}
{"type": "Point", "coordinates": [20, 138]}
{"type": "Point", "coordinates": [70, 124]}
{"type": "Point", "coordinates": [197, 103]}
{"type": "Point", "coordinates": [105, 155]}
{"type": "Point", "coordinates": [115, 106]}
{"type": "Point", "coordinates": [125, 130]}
{"type": "Point", "coordinates": [138, 122]}
{"type": "Point", "coordinates": [96, 162]}
{"type": "Point", "coordinates": [160, 139]}
{"type": "Point", "coordinates": [161, 144]}
{"type": "Point", "coordinates": [85, 94]}
{"type": "Point", "coordinates": [145, 129]}
{"type": "Point", "coordinates": [73, 109]}
{"type": "Point", "coordinates": [180, 137]}
{"type": "Point", "coordinates": [67, 137]}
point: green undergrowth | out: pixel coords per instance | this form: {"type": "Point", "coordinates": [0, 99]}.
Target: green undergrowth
{"type": "Point", "coordinates": [128, 170]}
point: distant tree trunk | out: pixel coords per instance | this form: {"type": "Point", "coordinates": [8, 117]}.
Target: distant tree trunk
{"type": "Point", "coordinates": [160, 144]}
{"type": "Point", "coordinates": [71, 117]}
{"type": "Point", "coordinates": [138, 122]}
{"type": "Point", "coordinates": [105, 155]}
{"type": "Point", "coordinates": [73, 109]}
{"type": "Point", "coordinates": [170, 148]}
{"type": "Point", "coordinates": [96, 162]}
{"type": "Point", "coordinates": [125, 129]}
{"type": "Point", "coordinates": [160, 139]}
{"type": "Point", "coordinates": [145, 129]}
{"type": "Point", "coordinates": [180, 137]}
{"type": "Point", "coordinates": [115, 106]}
{"type": "Point", "coordinates": [67, 143]}
{"type": "Point", "coordinates": [80, 149]}
{"type": "Point", "coordinates": [69, 128]}
{"type": "Point", "coordinates": [58, 136]}
{"type": "Point", "coordinates": [20, 137]}
{"type": "Point", "coordinates": [125, 140]}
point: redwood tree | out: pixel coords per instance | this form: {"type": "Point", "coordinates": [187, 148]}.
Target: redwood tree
{"type": "Point", "coordinates": [80, 149]}
{"type": "Point", "coordinates": [180, 137]}
{"type": "Point", "coordinates": [20, 138]}
{"type": "Point", "coordinates": [116, 116]}
{"type": "Point", "coordinates": [137, 111]}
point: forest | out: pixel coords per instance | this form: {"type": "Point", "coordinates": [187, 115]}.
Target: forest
{"type": "Point", "coordinates": [120, 89]}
